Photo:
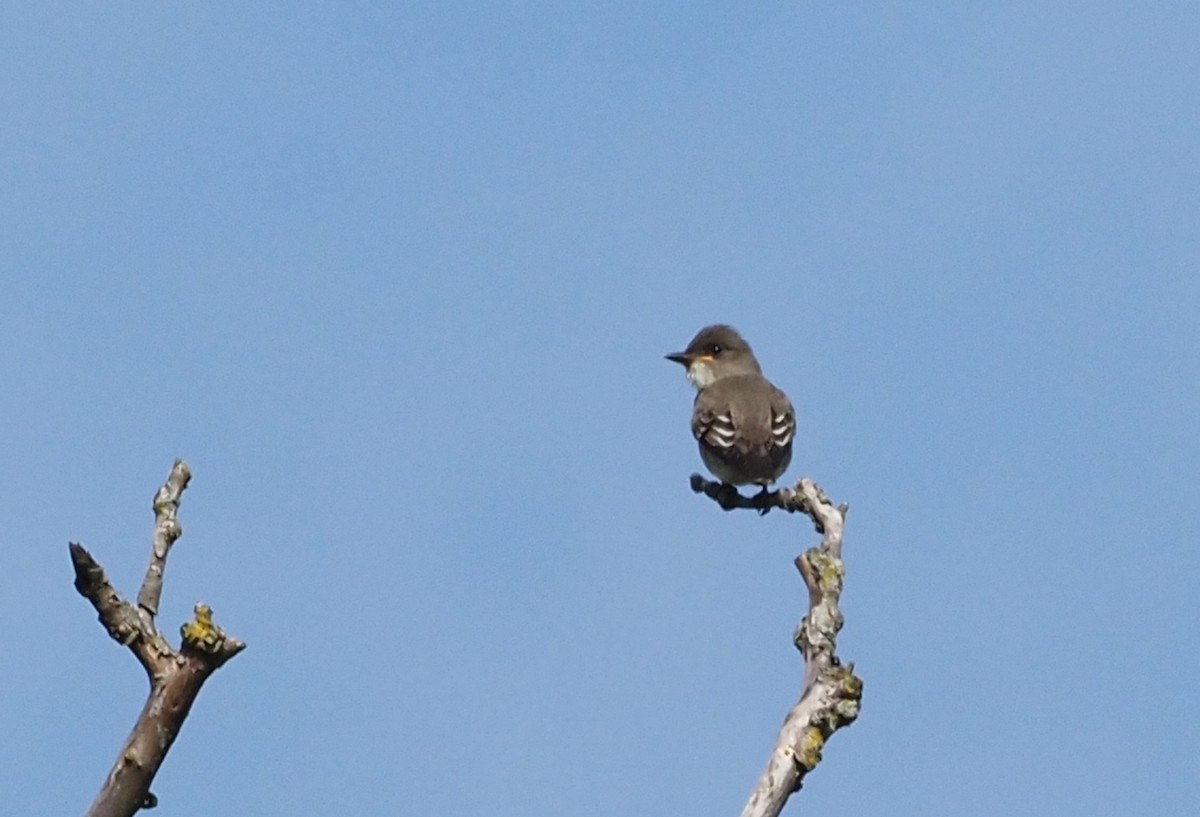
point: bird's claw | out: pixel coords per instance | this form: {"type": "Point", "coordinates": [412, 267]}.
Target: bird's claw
{"type": "Point", "coordinates": [763, 501]}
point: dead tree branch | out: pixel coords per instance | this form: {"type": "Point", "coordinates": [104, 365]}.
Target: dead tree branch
{"type": "Point", "coordinates": [175, 675]}
{"type": "Point", "coordinates": [832, 693]}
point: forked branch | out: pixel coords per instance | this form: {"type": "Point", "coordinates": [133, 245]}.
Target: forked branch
{"type": "Point", "coordinates": [176, 675]}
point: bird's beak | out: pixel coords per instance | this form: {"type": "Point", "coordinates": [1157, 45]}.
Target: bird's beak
{"type": "Point", "coordinates": [686, 360]}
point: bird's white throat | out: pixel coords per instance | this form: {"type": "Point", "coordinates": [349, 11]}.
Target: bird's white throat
{"type": "Point", "coordinates": [701, 374]}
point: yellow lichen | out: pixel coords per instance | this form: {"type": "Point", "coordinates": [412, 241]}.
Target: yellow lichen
{"type": "Point", "coordinates": [828, 571]}
{"type": "Point", "coordinates": [200, 632]}
{"type": "Point", "coordinates": [851, 684]}
{"type": "Point", "coordinates": [811, 743]}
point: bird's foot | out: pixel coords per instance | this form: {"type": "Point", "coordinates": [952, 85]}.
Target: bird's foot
{"type": "Point", "coordinates": [763, 501]}
{"type": "Point", "coordinates": [728, 496]}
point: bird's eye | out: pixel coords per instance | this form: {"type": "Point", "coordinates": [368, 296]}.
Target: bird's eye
{"type": "Point", "coordinates": [716, 349]}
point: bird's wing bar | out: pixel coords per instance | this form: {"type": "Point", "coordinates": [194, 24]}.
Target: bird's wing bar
{"type": "Point", "coordinates": [783, 425]}
{"type": "Point", "coordinates": [715, 429]}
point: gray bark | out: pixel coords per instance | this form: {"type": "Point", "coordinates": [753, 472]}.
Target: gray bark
{"type": "Point", "coordinates": [831, 693]}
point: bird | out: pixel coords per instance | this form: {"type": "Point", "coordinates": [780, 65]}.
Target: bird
{"type": "Point", "coordinates": [743, 424]}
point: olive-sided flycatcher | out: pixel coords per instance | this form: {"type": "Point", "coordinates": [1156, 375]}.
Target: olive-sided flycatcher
{"type": "Point", "coordinates": [743, 423]}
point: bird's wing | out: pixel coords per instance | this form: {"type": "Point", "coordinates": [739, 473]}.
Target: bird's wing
{"type": "Point", "coordinates": [747, 427]}
{"type": "Point", "coordinates": [722, 417]}
{"type": "Point", "coordinates": [783, 420]}
{"type": "Point", "coordinates": [712, 420]}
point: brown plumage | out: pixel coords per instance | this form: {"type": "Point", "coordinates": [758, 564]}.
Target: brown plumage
{"type": "Point", "coordinates": [744, 424]}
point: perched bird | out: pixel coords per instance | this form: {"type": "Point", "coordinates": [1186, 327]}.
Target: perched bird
{"type": "Point", "coordinates": [743, 423]}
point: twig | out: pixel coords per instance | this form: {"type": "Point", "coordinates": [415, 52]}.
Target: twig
{"type": "Point", "coordinates": [175, 675]}
{"type": "Point", "coordinates": [166, 531]}
{"type": "Point", "coordinates": [832, 693]}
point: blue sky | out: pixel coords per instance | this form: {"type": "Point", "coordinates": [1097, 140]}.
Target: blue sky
{"type": "Point", "coordinates": [397, 283]}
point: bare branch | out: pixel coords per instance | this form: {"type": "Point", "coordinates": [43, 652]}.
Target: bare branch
{"type": "Point", "coordinates": [832, 693]}
{"type": "Point", "coordinates": [166, 531]}
{"type": "Point", "coordinates": [125, 623]}
{"type": "Point", "coordinates": [175, 675]}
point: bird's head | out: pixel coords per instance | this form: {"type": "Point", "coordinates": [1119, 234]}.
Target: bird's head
{"type": "Point", "coordinates": [716, 351]}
